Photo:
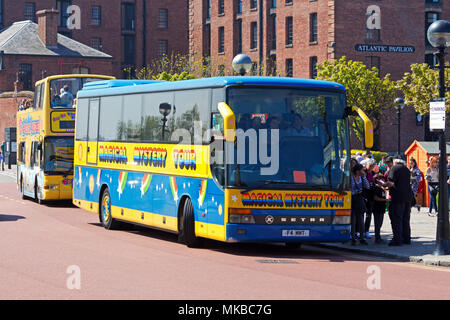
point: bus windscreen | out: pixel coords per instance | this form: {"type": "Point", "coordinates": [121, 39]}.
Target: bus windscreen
{"type": "Point", "coordinates": [304, 131]}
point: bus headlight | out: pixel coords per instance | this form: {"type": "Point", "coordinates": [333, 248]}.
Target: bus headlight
{"type": "Point", "coordinates": [241, 218]}
{"type": "Point", "coordinates": [341, 220]}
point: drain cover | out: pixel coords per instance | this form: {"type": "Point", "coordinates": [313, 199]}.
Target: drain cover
{"type": "Point", "coordinates": [275, 261]}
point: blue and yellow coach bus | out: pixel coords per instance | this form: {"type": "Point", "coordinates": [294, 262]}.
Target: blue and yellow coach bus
{"type": "Point", "coordinates": [231, 158]}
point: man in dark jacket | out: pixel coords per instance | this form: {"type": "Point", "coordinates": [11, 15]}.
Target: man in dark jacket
{"type": "Point", "coordinates": [400, 207]}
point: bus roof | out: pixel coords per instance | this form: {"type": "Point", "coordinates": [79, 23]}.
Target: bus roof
{"type": "Point", "coordinates": [216, 82]}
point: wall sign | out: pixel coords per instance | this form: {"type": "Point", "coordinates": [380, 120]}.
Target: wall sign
{"type": "Point", "coordinates": [437, 115]}
{"type": "Point", "coordinates": [384, 48]}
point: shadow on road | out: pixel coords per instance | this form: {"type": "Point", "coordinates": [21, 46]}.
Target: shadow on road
{"type": "Point", "coordinates": [262, 252]}
{"type": "Point", "coordinates": [10, 217]}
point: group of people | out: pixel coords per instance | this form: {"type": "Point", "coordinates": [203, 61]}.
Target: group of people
{"type": "Point", "coordinates": [64, 98]}
{"type": "Point", "coordinates": [376, 188]}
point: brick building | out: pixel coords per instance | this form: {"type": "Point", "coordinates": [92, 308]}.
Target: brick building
{"type": "Point", "coordinates": [30, 51]}
{"type": "Point", "coordinates": [133, 32]}
{"type": "Point", "coordinates": [290, 37]}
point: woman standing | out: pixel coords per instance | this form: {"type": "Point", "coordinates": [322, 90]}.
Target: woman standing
{"type": "Point", "coordinates": [359, 184]}
{"type": "Point", "coordinates": [416, 177]}
{"type": "Point", "coordinates": [432, 176]}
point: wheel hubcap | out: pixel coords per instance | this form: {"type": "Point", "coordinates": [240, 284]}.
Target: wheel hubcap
{"type": "Point", "coordinates": [106, 212]}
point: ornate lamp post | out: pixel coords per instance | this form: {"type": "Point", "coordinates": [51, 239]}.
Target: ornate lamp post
{"type": "Point", "coordinates": [242, 64]}
{"type": "Point", "coordinates": [164, 109]}
{"type": "Point", "coordinates": [439, 37]}
{"type": "Point", "coordinates": [399, 104]}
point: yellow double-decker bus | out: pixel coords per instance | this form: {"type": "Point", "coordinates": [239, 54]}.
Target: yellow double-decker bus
{"type": "Point", "coordinates": [45, 138]}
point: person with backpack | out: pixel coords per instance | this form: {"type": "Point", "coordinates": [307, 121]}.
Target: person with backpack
{"type": "Point", "coordinates": [359, 185]}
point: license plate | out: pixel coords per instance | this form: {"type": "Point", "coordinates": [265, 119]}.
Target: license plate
{"type": "Point", "coordinates": [295, 233]}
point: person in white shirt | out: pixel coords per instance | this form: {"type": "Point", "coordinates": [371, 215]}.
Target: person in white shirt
{"type": "Point", "coordinates": [66, 96]}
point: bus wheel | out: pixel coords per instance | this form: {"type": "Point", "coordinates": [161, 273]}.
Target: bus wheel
{"type": "Point", "coordinates": [105, 212]}
{"type": "Point", "coordinates": [187, 230]}
{"type": "Point", "coordinates": [293, 245]}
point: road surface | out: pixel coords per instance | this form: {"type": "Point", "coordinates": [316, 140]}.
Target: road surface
{"type": "Point", "coordinates": [62, 252]}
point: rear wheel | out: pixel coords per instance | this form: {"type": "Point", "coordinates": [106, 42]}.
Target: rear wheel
{"type": "Point", "coordinates": [187, 226]}
{"type": "Point", "coordinates": [105, 212]}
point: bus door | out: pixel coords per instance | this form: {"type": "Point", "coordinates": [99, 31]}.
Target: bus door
{"type": "Point", "coordinates": [94, 106]}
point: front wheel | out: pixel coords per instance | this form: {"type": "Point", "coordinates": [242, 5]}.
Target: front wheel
{"type": "Point", "coordinates": [187, 230]}
{"type": "Point", "coordinates": [108, 222]}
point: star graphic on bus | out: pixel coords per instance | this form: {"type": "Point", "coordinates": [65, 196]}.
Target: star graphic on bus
{"type": "Point", "coordinates": [234, 198]}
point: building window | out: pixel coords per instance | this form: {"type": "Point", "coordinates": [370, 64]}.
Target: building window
{"type": "Point", "coordinates": [221, 7]}
{"type": "Point", "coordinates": [273, 4]}
{"type": "Point", "coordinates": [253, 35]}
{"type": "Point", "coordinates": [289, 68]}
{"type": "Point", "coordinates": [221, 44]}
{"type": "Point", "coordinates": [313, 27]}
{"type": "Point", "coordinates": [239, 6]}
{"type": "Point", "coordinates": [163, 48]}
{"type": "Point", "coordinates": [208, 39]}
{"type": "Point", "coordinates": [81, 70]}
{"type": "Point", "coordinates": [430, 17]}
{"type": "Point", "coordinates": [373, 34]}
{"type": "Point", "coordinates": [253, 4]}
{"type": "Point", "coordinates": [96, 16]}
{"type": "Point", "coordinates": [313, 67]}
{"type": "Point", "coordinates": [62, 6]}
{"type": "Point", "coordinates": [239, 35]}
{"type": "Point", "coordinates": [26, 75]}
{"type": "Point", "coordinates": [373, 61]}
{"type": "Point", "coordinates": [129, 49]}
{"type": "Point", "coordinates": [30, 11]}
{"type": "Point", "coordinates": [289, 31]}
{"type": "Point", "coordinates": [96, 43]}
{"type": "Point", "coordinates": [128, 16]}
{"type": "Point", "coordinates": [431, 60]}
{"type": "Point", "coordinates": [163, 18]}
{"type": "Point", "coordinates": [288, 2]}
{"type": "Point", "coordinates": [208, 9]}
{"type": "Point", "coordinates": [274, 32]}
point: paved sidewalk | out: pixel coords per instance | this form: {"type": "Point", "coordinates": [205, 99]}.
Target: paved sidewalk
{"type": "Point", "coordinates": [423, 236]}
{"type": "Point", "coordinates": [8, 175]}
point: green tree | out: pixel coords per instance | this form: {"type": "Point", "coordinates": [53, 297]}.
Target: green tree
{"type": "Point", "coordinates": [365, 89]}
{"type": "Point", "coordinates": [422, 85]}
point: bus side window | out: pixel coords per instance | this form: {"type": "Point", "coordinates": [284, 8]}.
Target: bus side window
{"type": "Point", "coordinates": [37, 97]}
{"type": "Point", "coordinates": [22, 152]}
{"type": "Point", "coordinates": [34, 159]}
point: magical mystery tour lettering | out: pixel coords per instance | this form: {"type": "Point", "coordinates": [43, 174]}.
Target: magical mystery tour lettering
{"type": "Point", "coordinates": [292, 200]}
{"type": "Point", "coordinates": [150, 157]}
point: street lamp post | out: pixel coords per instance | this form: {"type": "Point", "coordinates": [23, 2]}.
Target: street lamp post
{"type": "Point", "coordinates": [399, 104]}
{"type": "Point", "coordinates": [242, 64]}
{"type": "Point", "coordinates": [439, 36]}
